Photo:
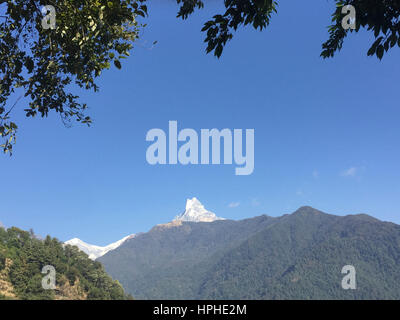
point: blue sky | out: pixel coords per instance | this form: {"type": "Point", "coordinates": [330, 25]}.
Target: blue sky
{"type": "Point", "coordinates": [326, 131]}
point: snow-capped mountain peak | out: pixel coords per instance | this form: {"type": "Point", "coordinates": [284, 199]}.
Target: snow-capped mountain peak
{"type": "Point", "coordinates": [94, 251]}
{"type": "Point", "coordinates": [195, 212]}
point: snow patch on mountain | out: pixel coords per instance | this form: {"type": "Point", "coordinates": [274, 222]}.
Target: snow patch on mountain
{"type": "Point", "coordinates": [94, 251]}
{"type": "Point", "coordinates": [195, 212]}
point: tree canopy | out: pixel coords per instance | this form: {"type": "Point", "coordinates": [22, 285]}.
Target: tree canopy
{"type": "Point", "coordinates": [88, 36]}
{"type": "Point", "coordinates": [23, 256]}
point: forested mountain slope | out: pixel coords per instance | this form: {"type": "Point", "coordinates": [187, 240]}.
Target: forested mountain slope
{"type": "Point", "coordinates": [296, 256]}
{"type": "Point", "coordinates": [22, 257]}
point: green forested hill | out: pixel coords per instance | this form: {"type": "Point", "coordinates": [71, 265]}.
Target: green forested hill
{"type": "Point", "coordinates": [301, 257]}
{"type": "Point", "coordinates": [22, 257]}
{"type": "Point", "coordinates": [169, 260]}
{"type": "Point", "coordinates": [297, 256]}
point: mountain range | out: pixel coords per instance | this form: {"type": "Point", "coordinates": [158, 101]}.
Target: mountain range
{"type": "Point", "coordinates": [194, 212]}
{"type": "Point", "coordinates": [294, 256]}
{"type": "Point", "coordinates": [199, 255]}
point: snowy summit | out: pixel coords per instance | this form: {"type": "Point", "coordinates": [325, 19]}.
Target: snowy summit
{"type": "Point", "coordinates": [195, 212]}
{"type": "Point", "coordinates": [93, 251]}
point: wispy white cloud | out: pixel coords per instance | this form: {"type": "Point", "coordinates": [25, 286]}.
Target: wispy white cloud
{"type": "Point", "coordinates": [350, 172]}
{"type": "Point", "coordinates": [315, 174]}
{"type": "Point", "coordinates": [234, 204]}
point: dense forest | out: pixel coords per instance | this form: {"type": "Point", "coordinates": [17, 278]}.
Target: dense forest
{"type": "Point", "coordinates": [23, 255]}
{"type": "Point", "coordinates": [295, 256]}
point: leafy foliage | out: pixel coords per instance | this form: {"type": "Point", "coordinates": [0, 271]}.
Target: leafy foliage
{"type": "Point", "coordinates": [27, 256]}
{"type": "Point", "coordinates": [380, 17]}
{"type": "Point", "coordinates": [90, 35]}
{"type": "Point", "coordinates": [238, 12]}
{"type": "Point", "coordinates": [297, 256]}
{"type": "Point", "coordinates": [377, 16]}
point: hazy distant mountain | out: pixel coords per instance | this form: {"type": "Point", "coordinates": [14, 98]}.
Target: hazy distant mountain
{"type": "Point", "coordinates": [195, 212]}
{"type": "Point", "coordinates": [94, 251]}
{"type": "Point", "coordinates": [296, 256]}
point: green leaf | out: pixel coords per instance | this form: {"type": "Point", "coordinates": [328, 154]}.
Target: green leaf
{"type": "Point", "coordinates": [117, 63]}
{"type": "Point", "coordinates": [372, 50]}
{"type": "Point", "coordinates": [379, 51]}
{"type": "Point", "coordinates": [218, 50]}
